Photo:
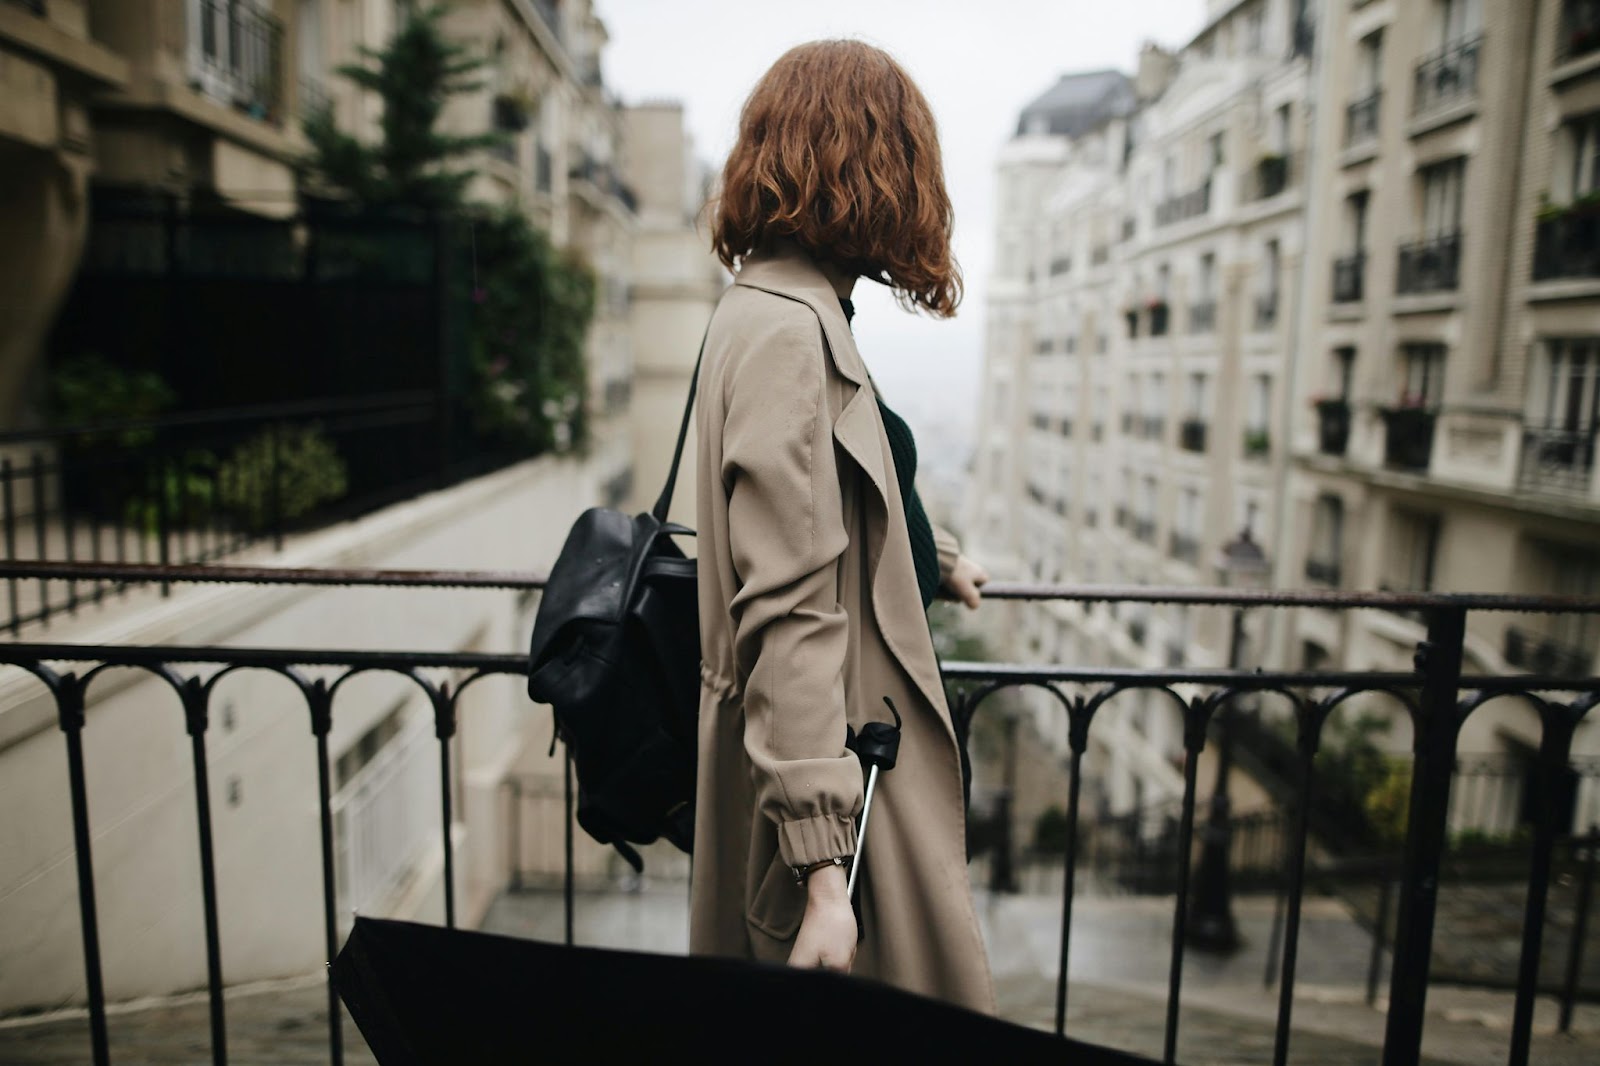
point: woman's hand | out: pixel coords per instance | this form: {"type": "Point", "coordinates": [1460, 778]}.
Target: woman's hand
{"type": "Point", "coordinates": [827, 938]}
{"type": "Point", "coordinates": [965, 579]}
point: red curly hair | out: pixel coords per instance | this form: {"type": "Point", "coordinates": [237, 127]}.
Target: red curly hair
{"type": "Point", "coordinates": [838, 150]}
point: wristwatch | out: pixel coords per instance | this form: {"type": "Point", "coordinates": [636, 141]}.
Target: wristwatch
{"type": "Point", "coordinates": [803, 872]}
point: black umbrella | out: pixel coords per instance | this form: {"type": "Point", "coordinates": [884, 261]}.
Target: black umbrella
{"type": "Point", "coordinates": [426, 996]}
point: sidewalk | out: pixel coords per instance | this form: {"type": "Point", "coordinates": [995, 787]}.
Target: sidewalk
{"type": "Point", "coordinates": [1116, 997]}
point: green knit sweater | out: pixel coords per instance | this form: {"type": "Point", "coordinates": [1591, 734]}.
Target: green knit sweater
{"type": "Point", "coordinates": [903, 449]}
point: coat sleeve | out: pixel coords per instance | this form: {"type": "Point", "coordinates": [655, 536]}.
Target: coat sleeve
{"type": "Point", "coordinates": [949, 550]}
{"type": "Point", "coordinates": [786, 535]}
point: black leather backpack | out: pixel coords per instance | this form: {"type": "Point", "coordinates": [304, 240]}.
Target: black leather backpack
{"type": "Point", "coordinates": [616, 654]}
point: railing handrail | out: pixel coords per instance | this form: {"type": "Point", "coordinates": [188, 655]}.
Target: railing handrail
{"type": "Point", "coordinates": [1200, 596]}
{"type": "Point", "coordinates": [313, 408]}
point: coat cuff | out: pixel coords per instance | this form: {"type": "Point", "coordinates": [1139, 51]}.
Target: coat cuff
{"type": "Point", "coordinates": [804, 841]}
{"type": "Point", "coordinates": [949, 550]}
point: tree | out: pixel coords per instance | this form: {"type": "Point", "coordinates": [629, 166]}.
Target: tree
{"type": "Point", "coordinates": [414, 75]}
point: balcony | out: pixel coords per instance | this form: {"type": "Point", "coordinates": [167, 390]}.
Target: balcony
{"type": "Point", "coordinates": [1203, 317]}
{"type": "Point", "coordinates": [1268, 178]}
{"type": "Point", "coordinates": [1188, 205]}
{"type": "Point", "coordinates": [1323, 572]}
{"type": "Point", "coordinates": [1446, 78]}
{"type": "Point", "coordinates": [1154, 427]}
{"type": "Point", "coordinates": [1160, 318]}
{"type": "Point", "coordinates": [1184, 547]}
{"type": "Point", "coordinates": [1567, 243]}
{"type": "Point", "coordinates": [603, 177]}
{"type": "Point", "coordinates": [1580, 29]}
{"type": "Point", "coordinates": [210, 883]}
{"type": "Point", "coordinates": [1361, 119]}
{"type": "Point", "coordinates": [1408, 437]}
{"type": "Point", "coordinates": [1539, 654]}
{"type": "Point", "coordinates": [1333, 426]}
{"type": "Point", "coordinates": [1266, 312]}
{"type": "Point", "coordinates": [1349, 277]}
{"type": "Point", "coordinates": [1433, 265]}
{"type": "Point", "coordinates": [1192, 435]}
{"type": "Point", "coordinates": [1144, 530]}
{"type": "Point", "coordinates": [236, 58]}
{"type": "Point", "coordinates": [1257, 443]}
{"type": "Point", "coordinates": [1557, 461]}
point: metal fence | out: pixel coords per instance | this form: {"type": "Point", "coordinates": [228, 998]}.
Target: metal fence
{"type": "Point", "coordinates": [1435, 695]}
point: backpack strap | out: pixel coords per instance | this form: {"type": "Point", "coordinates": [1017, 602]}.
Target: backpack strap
{"type": "Point", "coordinates": [664, 501]}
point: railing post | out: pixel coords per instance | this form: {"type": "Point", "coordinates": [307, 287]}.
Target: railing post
{"type": "Point", "coordinates": [70, 716]}
{"type": "Point", "coordinates": [1439, 661]}
{"type": "Point", "coordinates": [195, 698]}
{"type": "Point", "coordinates": [41, 537]}
{"type": "Point", "coordinates": [319, 700]}
{"type": "Point", "coordinates": [8, 506]}
{"type": "Point", "coordinates": [1580, 928]}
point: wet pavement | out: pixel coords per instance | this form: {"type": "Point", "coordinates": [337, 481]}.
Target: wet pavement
{"type": "Point", "coordinates": [1117, 994]}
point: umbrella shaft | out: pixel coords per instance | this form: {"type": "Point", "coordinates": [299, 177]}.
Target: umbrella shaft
{"type": "Point", "coordinates": [861, 834]}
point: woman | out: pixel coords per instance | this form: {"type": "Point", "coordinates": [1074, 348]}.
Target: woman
{"type": "Point", "coordinates": [816, 560]}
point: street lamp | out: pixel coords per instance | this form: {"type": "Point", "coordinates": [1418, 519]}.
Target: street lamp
{"type": "Point", "coordinates": [1241, 563]}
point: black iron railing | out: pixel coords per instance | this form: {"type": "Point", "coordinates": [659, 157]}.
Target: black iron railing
{"type": "Point", "coordinates": [199, 487]}
{"type": "Point", "coordinates": [1558, 460]}
{"type": "Point", "coordinates": [1323, 571]}
{"type": "Point", "coordinates": [1408, 437]}
{"type": "Point", "coordinates": [1361, 119]}
{"type": "Point", "coordinates": [1450, 76]}
{"type": "Point", "coordinates": [1188, 205]}
{"type": "Point", "coordinates": [1567, 244]}
{"type": "Point", "coordinates": [1435, 695]}
{"type": "Point", "coordinates": [1580, 28]}
{"type": "Point", "coordinates": [1432, 265]}
{"type": "Point", "coordinates": [1203, 316]}
{"type": "Point", "coordinates": [1333, 426]}
{"type": "Point", "coordinates": [1192, 434]}
{"type": "Point", "coordinates": [1349, 275]}
{"type": "Point", "coordinates": [604, 177]}
{"type": "Point", "coordinates": [1184, 547]}
{"type": "Point", "coordinates": [240, 57]}
{"type": "Point", "coordinates": [1160, 319]}
{"type": "Point", "coordinates": [1268, 178]}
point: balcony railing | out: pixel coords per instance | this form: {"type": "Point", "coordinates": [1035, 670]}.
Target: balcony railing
{"type": "Point", "coordinates": [1333, 426]}
{"type": "Point", "coordinates": [1189, 205]}
{"type": "Point", "coordinates": [603, 176]}
{"type": "Point", "coordinates": [1268, 178]}
{"type": "Point", "coordinates": [1266, 311]}
{"type": "Point", "coordinates": [1203, 316]}
{"type": "Point", "coordinates": [236, 57]}
{"type": "Point", "coordinates": [1349, 278]}
{"type": "Point", "coordinates": [1323, 571]}
{"type": "Point", "coordinates": [1538, 653]}
{"type": "Point", "coordinates": [1184, 547]}
{"type": "Point", "coordinates": [1567, 244]}
{"type": "Point", "coordinates": [1433, 265]}
{"type": "Point", "coordinates": [1144, 529]}
{"type": "Point", "coordinates": [1558, 460]}
{"type": "Point", "coordinates": [1160, 319]}
{"type": "Point", "coordinates": [1448, 77]}
{"type": "Point", "coordinates": [1435, 695]}
{"type": "Point", "coordinates": [1361, 119]}
{"type": "Point", "coordinates": [1580, 29]}
{"type": "Point", "coordinates": [1408, 437]}
{"type": "Point", "coordinates": [1154, 427]}
{"type": "Point", "coordinates": [1257, 442]}
{"type": "Point", "coordinates": [1192, 435]}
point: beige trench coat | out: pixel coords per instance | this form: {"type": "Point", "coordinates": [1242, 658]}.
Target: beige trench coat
{"type": "Point", "coordinates": [809, 616]}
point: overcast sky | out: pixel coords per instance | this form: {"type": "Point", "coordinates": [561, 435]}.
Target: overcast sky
{"type": "Point", "coordinates": [978, 64]}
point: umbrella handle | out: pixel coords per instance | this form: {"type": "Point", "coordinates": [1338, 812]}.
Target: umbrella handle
{"type": "Point", "coordinates": [861, 834]}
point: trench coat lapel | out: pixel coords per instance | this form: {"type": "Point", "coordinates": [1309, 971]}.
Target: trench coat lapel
{"type": "Point", "coordinates": [787, 271]}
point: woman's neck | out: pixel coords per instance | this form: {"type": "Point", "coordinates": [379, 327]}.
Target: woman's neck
{"type": "Point", "coordinates": [843, 283]}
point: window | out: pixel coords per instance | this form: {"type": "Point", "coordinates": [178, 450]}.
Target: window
{"type": "Point", "coordinates": [1423, 368]}
{"type": "Point", "coordinates": [1187, 519]}
{"type": "Point", "coordinates": [1169, 177]}
{"type": "Point", "coordinates": [1344, 361]}
{"type": "Point", "coordinates": [1208, 277]}
{"type": "Point", "coordinates": [1327, 540]}
{"type": "Point", "coordinates": [1255, 31]}
{"type": "Point", "coordinates": [1281, 129]}
{"type": "Point", "coordinates": [1214, 151]}
{"type": "Point", "coordinates": [1369, 64]}
{"type": "Point", "coordinates": [1355, 221]}
{"type": "Point", "coordinates": [1196, 404]}
{"type": "Point", "coordinates": [1567, 393]}
{"type": "Point", "coordinates": [1442, 185]}
{"type": "Point", "coordinates": [1273, 267]}
{"type": "Point", "coordinates": [1455, 20]}
{"type": "Point", "coordinates": [1258, 412]}
{"type": "Point", "coordinates": [1583, 136]}
{"type": "Point", "coordinates": [1413, 547]}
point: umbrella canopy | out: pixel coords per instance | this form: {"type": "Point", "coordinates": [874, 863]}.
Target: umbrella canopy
{"type": "Point", "coordinates": [423, 996]}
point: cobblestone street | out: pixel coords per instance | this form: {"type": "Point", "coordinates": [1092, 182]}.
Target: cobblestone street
{"type": "Point", "coordinates": [1116, 998]}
